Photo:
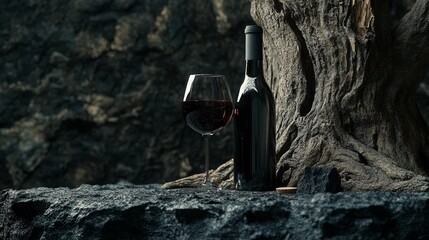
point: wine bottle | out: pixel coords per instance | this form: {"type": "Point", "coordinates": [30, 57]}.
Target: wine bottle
{"type": "Point", "coordinates": [254, 122]}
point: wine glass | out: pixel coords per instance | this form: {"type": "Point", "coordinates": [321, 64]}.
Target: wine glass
{"type": "Point", "coordinates": [207, 107]}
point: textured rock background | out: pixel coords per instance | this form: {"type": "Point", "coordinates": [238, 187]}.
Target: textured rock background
{"type": "Point", "coordinates": [91, 91]}
{"type": "Point", "coordinates": [146, 212]}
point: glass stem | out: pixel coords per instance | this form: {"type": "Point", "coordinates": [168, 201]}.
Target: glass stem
{"type": "Point", "coordinates": [207, 178]}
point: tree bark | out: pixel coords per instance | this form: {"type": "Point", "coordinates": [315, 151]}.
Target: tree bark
{"type": "Point", "coordinates": [345, 85]}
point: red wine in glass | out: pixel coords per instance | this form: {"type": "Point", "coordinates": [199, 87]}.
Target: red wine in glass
{"type": "Point", "coordinates": [207, 107]}
{"type": "Point", "coordinates": [207, 116]}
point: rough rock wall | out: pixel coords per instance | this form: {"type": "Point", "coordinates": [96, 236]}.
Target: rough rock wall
{"type": "Point", "coordinates": [90, 91]}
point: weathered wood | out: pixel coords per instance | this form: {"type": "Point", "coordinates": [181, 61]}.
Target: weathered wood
{"type": "Point", "coordinates": [375, 138]}
{"type": "Point", "coordinates": [222, 177]}
{"type": "Point", "coordinates": [345, 85]}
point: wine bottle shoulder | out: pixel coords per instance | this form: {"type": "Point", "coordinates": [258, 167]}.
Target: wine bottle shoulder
{"type": "Point", "coordinates": [254, 86]}
{"type": "Point", "coordinates": [248, 85]}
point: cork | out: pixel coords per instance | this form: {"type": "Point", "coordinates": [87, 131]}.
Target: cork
{"type": "Point", "coordinates": [286, 189]}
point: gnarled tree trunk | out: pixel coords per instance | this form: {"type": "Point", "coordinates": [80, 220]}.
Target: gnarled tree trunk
{"type": "Point", "coordinates": [345, 85]}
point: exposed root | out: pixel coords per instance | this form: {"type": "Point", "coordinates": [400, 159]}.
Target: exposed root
{"type": "Point", "coordinates": [361, 168]}
{"type": "Point", "coordinates": [379, 160]}
{"type": "Point", "coordinates": [388, 176]}
{"type": "Point", "coordinates": [222, 177]}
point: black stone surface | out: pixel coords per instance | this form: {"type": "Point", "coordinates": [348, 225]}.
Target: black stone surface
{"type": "Point", "coordinates": [319, 180]}
{"type": "Point", "coordinates": [147, 212]}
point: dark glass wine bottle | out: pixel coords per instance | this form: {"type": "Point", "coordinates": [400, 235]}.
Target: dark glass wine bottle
{"type": "Point", "coordinates": [254, 122]}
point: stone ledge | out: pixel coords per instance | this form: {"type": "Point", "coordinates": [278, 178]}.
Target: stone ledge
{"type": "Point", "coordinates": [148, 212]}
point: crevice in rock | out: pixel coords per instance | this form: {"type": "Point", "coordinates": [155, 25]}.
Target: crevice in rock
{"type": "Point", "coordinates": [374, 141]}
{"type": "Point", "coordinates": [363, 160]}
{"type": "Point", "coordinates": [127, 224]}
{"type": "Point", "coordinates": [424, 162]}
{"type": "Point", "coordinates": [278, 6]}
{"type": "Point", "coordinates": [77, 124]}
{"type": "Point", "coordinates": [293, 133]}
{"type": "Point", "coordinates": [36, 233]}
{"type": "Point", "coordinates": [283, 174]}
{"type": "Point", "coordinates": [306, 66]}
{"type": "Point", "coordinates": [191, 215]}
{"type": "Point", "coordinates": [29, 209]}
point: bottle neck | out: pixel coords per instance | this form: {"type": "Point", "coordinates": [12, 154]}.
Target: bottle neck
{"type": "Point", "coordinates": [254, 68]}
{"type": "Point", "coordinates": [253, 54]}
